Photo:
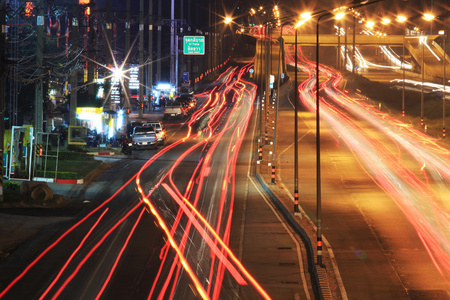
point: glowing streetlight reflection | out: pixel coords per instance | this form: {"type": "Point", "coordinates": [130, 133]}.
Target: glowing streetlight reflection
{"type": "Point", "coordinates": [306, 16]}
{"type": "Point", "coordinates": [339, 15]}
{"type": "Point", "coordinates": [370, 24]}
{"type": "Point", "coordinates": [401, 19]}
{"type": "Point", "coordinates": [428, 17]}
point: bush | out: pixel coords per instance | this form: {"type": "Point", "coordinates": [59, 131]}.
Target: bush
{"type": "Point", "coordinates": [61, 175]}
{"type": "Point", "coordinates": [75, 148]}
{"type": "Point", "coordinates": [70, 155]}
{"type": "Point", "coordinates": [11, 186]}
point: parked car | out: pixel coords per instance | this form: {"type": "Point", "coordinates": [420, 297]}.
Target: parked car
{"type": "Point", "coordinates": [160, 131]}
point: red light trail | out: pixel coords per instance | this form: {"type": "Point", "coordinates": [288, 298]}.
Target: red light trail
{"type": "Point", "coordinates": [221, 123]}
{"type": "Point", "coordinates": [419, 188]}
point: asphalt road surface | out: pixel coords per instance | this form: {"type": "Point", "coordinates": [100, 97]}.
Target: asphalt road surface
{"type": "Point", "coordinates": [384, 192]}
{"type": "Point", "coordinates": [186, 221]}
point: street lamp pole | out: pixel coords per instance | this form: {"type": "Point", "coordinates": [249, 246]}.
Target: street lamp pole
{"type": "Point", "coordinates": [423, 72]}
{"type": "Point", "coordinates": [276, 104]}
{"type": "Point", "coordinates": [261, 93]}
{"type": "Point", "coordinates": [296, 209]}
{"type": "Point", "coordinates": [443, 89]}
{"type": "Point", "coordinates": [318, 175]}
{"type": "Point", "coordinates": [267, 81]}
{"type": "Point", "coordinates": [338, 61]}
{"type": "Point", "coordinates": [318, 178]}
{"type": "Point", "coordinates": [403, 71]}
{"type": "Point", "coordinates": [354, 44]}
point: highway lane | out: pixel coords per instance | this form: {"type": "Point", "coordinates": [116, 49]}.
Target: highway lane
{"type": "Point", "coordinates": [200, 229]}
{"type": "Point", "coordinates": [366, 229]}
{"type": "Point", "coordinates": [115, 214]}
{"type": "Point", "coordinates": [159, 224]}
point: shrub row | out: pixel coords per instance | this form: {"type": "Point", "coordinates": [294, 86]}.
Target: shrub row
{"type": "Point", "coordinates": [61, 175]}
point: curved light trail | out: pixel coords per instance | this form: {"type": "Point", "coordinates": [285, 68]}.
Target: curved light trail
{"type": "Point", "coordinates": [195, 219]}
{"type": "Point", "coordinates": [413, 170]}
{"type": "Point", "coordinates": [227, 121]}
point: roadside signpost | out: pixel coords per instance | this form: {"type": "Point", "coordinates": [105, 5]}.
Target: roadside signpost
{"type": "Point", "coordinates": [194, 45]}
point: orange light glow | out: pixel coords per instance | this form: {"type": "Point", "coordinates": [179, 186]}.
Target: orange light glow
{"type": "Point", "coordinates": [29, 9]}
{"type": "Point", "coordinates": [86, 2]}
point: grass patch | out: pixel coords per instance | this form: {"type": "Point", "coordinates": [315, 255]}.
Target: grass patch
{"type": "Point", "coordinates": [71, 165]}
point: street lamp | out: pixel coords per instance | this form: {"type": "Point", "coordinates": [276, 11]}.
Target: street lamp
{"type": "Point", "coordinates": [261, 93]}
{"type": "Point", "coordinates": [428, 17]}
{"type": "Point", "coordinates": [339, 15]}
{"type": "Point", "coordinates": [305, 17]}
{"type": "Point", "coordinates": [442, 32]}
{"type": "Point", "coordinates": [277, 102]}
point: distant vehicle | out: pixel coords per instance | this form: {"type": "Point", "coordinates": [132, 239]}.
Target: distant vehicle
{"type": "Point", "coordinates": [174, 109]}
{"type": "Point", "coordinates": [160, 131]}
{"type": "Point", "coordinates": [144, 138]}
{"type": "Point", "coordinates": [189, 101]}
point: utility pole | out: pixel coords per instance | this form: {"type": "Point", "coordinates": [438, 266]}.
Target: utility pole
{"type": "Point", "coordinates": [92, 54]}
{"type": "Point", "coordinates": [108, 56]}
{"type": "Point", "coordinates": [180, 59]}
{"type": "Point", "coordinates": [172, 43]}
{"type": "Point", "coordinates": [127, 51]}
{"type": "Point", "coordinates": [190, 59]}
{"type": "Point", "coordinates": [210, 50]}
{"type": "Point", "coordinates": [74, 76]}
{"type": "Point", "coordinates": [216, 57]}
{"type": "Point", "coordinates": [158, 53]}
{"type": "Point", "coordinates": [38, 109]}
{"type": "Point", "coordinates": [2, 90]}
{"type": "Point", "coordinates": [141, 58]}
{"type": "Point", "coordinates": [150, 56]}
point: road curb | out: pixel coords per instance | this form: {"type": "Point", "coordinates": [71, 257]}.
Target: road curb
{"type": "Point", "coordinates": [67, 181]}
{"type": "Point", "coordinates": [101, 153]}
